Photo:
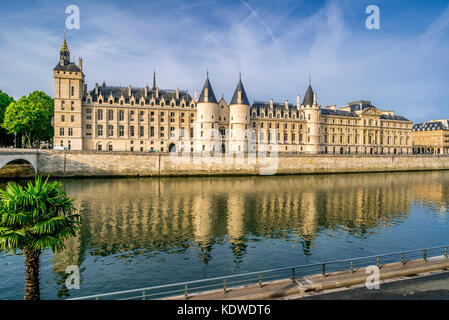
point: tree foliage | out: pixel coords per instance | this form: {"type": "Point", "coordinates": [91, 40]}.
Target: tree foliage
{"type": "Point", "coordinates": [37, 216]}
{"type": "Point", "coordinates": [5, 101]}
{"type": "Point", "coordinates": [31, 116]}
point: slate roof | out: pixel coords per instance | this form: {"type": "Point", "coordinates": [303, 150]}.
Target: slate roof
{"type": "Point", "coordinates": [395, 117]}
{"type": "Point", "coordinates": [341, 113]}
{"type": "Point", "coordinates": [239, 87]}
{"type": "Point", "coordinates": [429, 126]}
{"type": "Point", "coordinates": [68, 67]}
{"type": "Point", "coordinates": [211, 97]}
{"type": "Point", "coordinates": [117, 92]}
{"type": "Point", "coordinates": [278, 107]}
{"type": "Point", "coordinates": [308, 98]}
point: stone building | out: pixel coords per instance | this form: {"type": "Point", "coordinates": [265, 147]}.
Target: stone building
{"type": "Point", "coordinates": [431, 137]}
{"type": "Point", "coordinates": [150, 119]}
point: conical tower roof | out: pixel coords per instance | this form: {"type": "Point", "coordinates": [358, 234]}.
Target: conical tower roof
{"type": "Point", "coordinates": [235, 97]}
{"type": "Point", "coordinates": [211, 95]}
{"type": "Point", "coordinates": [308, 98]}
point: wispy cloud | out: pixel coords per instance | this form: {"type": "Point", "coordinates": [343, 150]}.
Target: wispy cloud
{"type": "Point", "coordinates": [273, 44]}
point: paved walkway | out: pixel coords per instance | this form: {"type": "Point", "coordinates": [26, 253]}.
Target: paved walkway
{"type": "Point", "coordinates": [433, 286]}
{"type": "Point", "coordinates": [304, 286]}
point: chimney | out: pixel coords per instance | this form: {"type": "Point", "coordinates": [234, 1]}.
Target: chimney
{"type": "Point", "coordinates": [314, 98]}
{"type": "Point", "coordinates": [177, 93]}
{"type": "Point", "coordinates": [286, 104]}
{"type": "Point", "coordinates": [196, 95]}
{"type": "Point", "coordinates": [129, 90]}
{"type": "Point", "coordinates": [85, 89]}
{"type": "Point", "coordinates": [271, 103]}
{"type": "Point", "coordinates": [298, 100]}
{"type": "Point", "coordinates": [146, 90]}
{"type": "Point", "coordinates": [80, 64]}
{"type": "Point", "coordinates": [96, 88]}
{"type": "Point", "coordinates": [157, 93]}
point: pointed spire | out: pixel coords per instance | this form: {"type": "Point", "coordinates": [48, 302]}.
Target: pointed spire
{"type": "Point", "coordinates": [207, 94]}
{"type": "Point", "coordinates": [239, 96]}
{"type": "Point", "coordinates": [64, 47]}
{"type": "Point", "coordinates": [154, 80]}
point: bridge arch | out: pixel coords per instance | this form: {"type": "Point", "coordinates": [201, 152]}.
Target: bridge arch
{"type": "Point", "coordinates": [8, 158]}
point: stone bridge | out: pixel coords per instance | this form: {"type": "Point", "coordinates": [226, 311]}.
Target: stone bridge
{"type": "Point", "coordinates": [8, 155]}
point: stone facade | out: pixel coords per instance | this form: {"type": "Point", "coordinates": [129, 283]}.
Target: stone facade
{"type": "Point", "coordinates": [104, 163]}
{"type": "Point", "coordinates": [109, 118]}
{"type": "Point", "coordinates": [431, 137]}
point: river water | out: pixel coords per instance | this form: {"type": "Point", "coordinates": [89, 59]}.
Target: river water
{"type": "Point", "coordinates": [140, 232]}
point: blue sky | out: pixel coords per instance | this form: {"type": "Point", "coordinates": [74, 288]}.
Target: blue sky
{"type": "Point", "coordinates": [404, 66]}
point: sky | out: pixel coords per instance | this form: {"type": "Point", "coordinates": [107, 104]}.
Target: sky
{"type": "Point", "coordinates": [403, 66]}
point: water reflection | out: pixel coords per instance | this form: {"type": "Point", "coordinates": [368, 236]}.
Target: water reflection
{"type": "Point", "coordinates": [173, 214]}
{"type": "Point", "coordinates": [184, 217]}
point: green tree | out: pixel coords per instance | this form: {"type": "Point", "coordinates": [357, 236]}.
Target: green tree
{"type": "Point", "coordinates": [34, 218]}
{"type": "Point", "coordinates": [5, 101]}
{"type": "Point", "coordinates": [31, 116]}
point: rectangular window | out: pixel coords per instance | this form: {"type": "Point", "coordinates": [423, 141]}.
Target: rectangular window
{"type": "Point", "coordinates": [73, 91]}
{"type": "Point", "coordinates": [111, 130]}
{"type": "Point", "coordinates": [88, 129]}
{"type": "Point", "coordinates": [111, 115]}
{"type": "Point", "coordinates": [141, 131]}
{"type": "Point", "coordinates": [61, 131]}
{"type": "Point", "coordinates": [72, 118]}
{"type": "Point", "coordinates": [62, 105]}
{"type": "Point", "coordinates": [121, 115]}
{"type": "Point", "coordinates": [99, 130]}
{"type": "Point", "coordinates": [63, 118]}
{"type": "Point", "coordinates": [191, 132]}
{"type": "Point", "coordinates": [100, 114]}
{"type": "Point", "coordinates": [88, 114]}
{"type": "Point", "coordinates": [72, 106]}
{"type": "Point", "coordinates": [70, 131]}
{"type": "Point", "coordinates": [131, 131]}
{"type": "Point", "coordinates": [121, 131]}
{"type": "Point", "coordinates": [151, 131]}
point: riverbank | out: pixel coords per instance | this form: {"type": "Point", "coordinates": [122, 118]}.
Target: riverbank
{"type": "Point", "coordinates": [313, 284]}
{"type": "Point", "coordinates": [121, 164]}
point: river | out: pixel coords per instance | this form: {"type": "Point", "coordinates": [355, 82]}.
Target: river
{"type": "Point", "coordinates": [139, 232]}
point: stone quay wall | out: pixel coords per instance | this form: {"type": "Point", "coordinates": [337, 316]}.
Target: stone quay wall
{"type": "Point", "coordinates": [103, 163]}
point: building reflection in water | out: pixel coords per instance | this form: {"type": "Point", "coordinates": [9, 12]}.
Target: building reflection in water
{"type": "Point", "coordinates": [172, 215]}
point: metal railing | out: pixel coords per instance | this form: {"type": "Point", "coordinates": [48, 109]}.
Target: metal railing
{"type": "Point", "coordinates": [227, 283]}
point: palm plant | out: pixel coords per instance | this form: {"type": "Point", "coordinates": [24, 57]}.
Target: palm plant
{"type": "Point", "coordinates": [34, 218]}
